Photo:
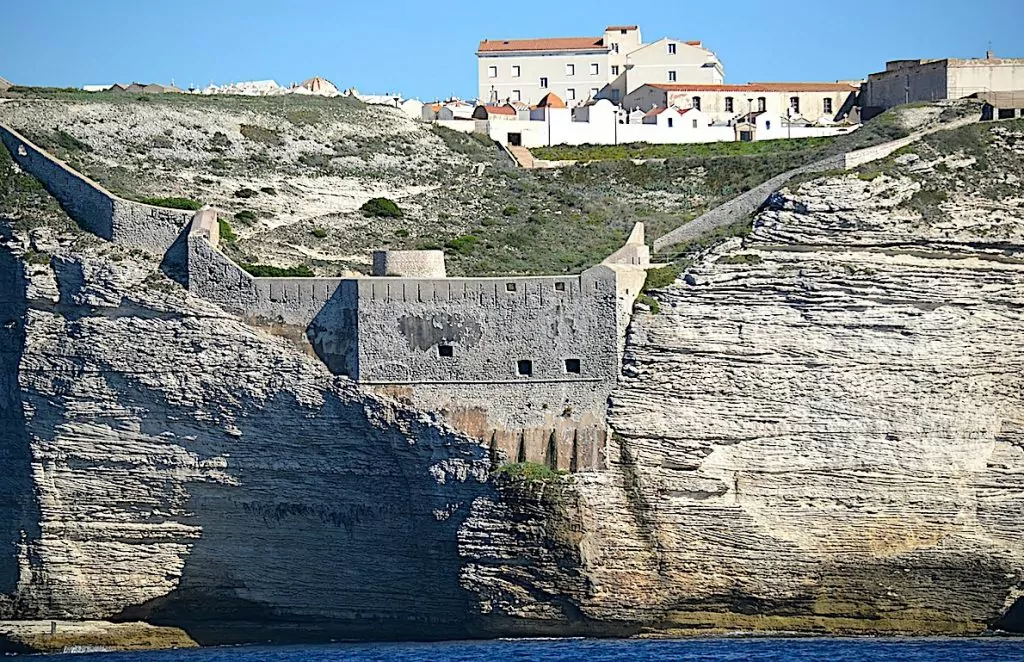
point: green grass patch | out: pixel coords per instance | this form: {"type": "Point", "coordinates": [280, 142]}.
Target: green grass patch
{"type": "Point", "coordinates": [267, 271]}
{"type": "Point", "coordinates": [650, 302]}
{"type": "Point", "coordinates": [661, 277]}
{"type": "Point", "coordinates": [690, 150]}
{"type": "Point", "coordinates": [227, 234]}
{"type": "Point", "coordinates": [529, 471]}
{"type": "Point", "coordinates": [740, 258]}
{"type": "Point", "coordinates": [174, 203]}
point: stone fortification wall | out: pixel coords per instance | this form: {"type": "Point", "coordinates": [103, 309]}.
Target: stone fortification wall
{"type": "Point", "coordinates": [214, 277]}
{"type": "Point", "coordinates": [96, 210]}
{"type": "Point", "coordinates": [409, 264]}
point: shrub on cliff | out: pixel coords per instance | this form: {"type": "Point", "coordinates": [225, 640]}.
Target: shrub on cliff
{"type": "Point", "coordinates": [382, 208]}
{"type": "Point", "coordinates": [661, 277]}
{"type": "Point", "coordinates": [266, 270]}
{"type": "Point", "coordinates": [529, 471]}
{"type": "Point", "coordinates": [174, 203]}
{"type": "Point", "coordinates": [462, 245]}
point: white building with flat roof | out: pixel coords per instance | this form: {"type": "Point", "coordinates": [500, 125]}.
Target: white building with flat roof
{"type": "Point", "coordinates": [609, 66]}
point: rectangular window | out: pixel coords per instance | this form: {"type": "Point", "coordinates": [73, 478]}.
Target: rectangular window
{"type": "Point", "coordinates": [622, 31]}
{"type": "Point", "coordinates": [794, 104]}
{"type": "Point", "coordinates": [670, 122]}
{"type": "Point", "coordinates": [570, 70]}
{"type": "Point", "coordinates": [524, 368]}
{"type": "Point", "coordinates": [615, 70]}
{"type": "Point", "coordinates": [696, 103]}
{"type": "Point", "coordinates": [559, 287]}
{"type": "Point", "coordinates": [671, 76]}
{"type": "Point", "coordinates": [615, 48]}
{"type": "Point", "coordinates": [728, 104]}
{"type": "Point", "coordinates": [595, 69]}
{"type": "Point", "coordinates": [543, 83]}
{"type": "Point", "coordinates": [492, 72]}
{"type": "Point", "coordinates": [570, 94]}
{"type": "Point", "coordinates": [515, 71]}
{"type": "Point", "coordinates": [762, 104]}
{"type": "Point", "coordinates": [828, 106]}
{"type": "Point", "coordinates": [695, 124]}
{"type": "Point", "coordinates": [510, 287]}
{"type": "Point", "coordinates": [445, 351]}
{"type": "Point", "coordinates": [572, 366]}
{"type": "Point", "coordinates": [517, 95]}
{"type": "Point", "coordinates": [671, 49]}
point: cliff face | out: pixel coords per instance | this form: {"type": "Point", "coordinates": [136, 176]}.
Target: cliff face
{"type": "Point", "coordinates": [165, 461]}
{"type": "Point", "coordinates": [823, 429]}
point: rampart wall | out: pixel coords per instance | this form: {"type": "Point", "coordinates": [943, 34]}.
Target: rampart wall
{"type": "Point", "coordinates": [526, 364]}
{"type": "Point", "coordinates": [95, 209]}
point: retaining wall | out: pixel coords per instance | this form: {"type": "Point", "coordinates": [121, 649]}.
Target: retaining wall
{"type": "Point", "coordinates": [95, 209]}
{"type": "Point", "coordinates": [747, 203]}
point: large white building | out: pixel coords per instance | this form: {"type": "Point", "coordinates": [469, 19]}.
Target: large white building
{"type": "Point", "coordinates": [816, 102]}
{"type": "Point", "coordinates": [609, 66]}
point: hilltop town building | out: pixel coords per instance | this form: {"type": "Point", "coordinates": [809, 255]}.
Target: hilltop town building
{"type": "Point", "coordinates": [906, 81]}
{"type": "Point", "coordinates": [815, 102]}
{"type": "Point", "coordinates": [609, 66]}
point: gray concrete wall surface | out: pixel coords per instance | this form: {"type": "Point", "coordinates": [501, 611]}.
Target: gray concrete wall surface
{"type": "Point", "coordinates": [124, 222]}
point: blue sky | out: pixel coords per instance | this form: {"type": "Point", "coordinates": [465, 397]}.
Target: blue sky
{"type": "Point", "coordinates": [426, 48]}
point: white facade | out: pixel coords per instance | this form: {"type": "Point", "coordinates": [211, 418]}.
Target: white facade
{"type": "Point", "coordinates": [602, 123]}
{"type": "Point", "coordinates": [816, 102]}
{"type": "Point", "coordinates": [578, 69]}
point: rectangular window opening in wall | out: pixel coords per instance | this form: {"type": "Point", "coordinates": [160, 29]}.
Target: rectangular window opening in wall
{"type": "Point", "coordinates": [695, 124]}
{"type": "Point", "coordinates": [510, 287]}
{"type": "Point", "coordinates": [517, 95]}
{"type": "Point", "coordinates": [559, 287]}
{"type": "Point", "coordinates": [828, 106]}
{"type": "Point", "coordinates": [572, 366]}
{"type": "Point", "coordinates": [515, 71]}
{"type": "Point", "coordinates": [615, 48]}
{"type": "Point", "coordinates": [445, 351]}
{"type": "Point", "coordinates": [794, 105]}
{"type": "Point", "coordinates": [543, 83]}
{"type": "Point", "coordinates": [728, 104]}
{"type": "Point", "coordinates": [570, 94]}
{"type": "Point", "coordinates": [671, 76]}
{"type": "Point", "coordinates": [671, 49]}
{"type": "Point", "coordinates": [670, 122]}
{"type": "Point", "coordinates": [524, 368]}
{"type": "Point", "coordinates": [762, 104]}
{"type": "Point", "coordinates": [492, 72]}
{"type": "Point", "coordinates": [696, 103]}
{"type": "Point", "coordinates": [615, 70]}
{"type": "Point", "coordinates": [595, 69]}
{"type": "Point", "coordinates": [570, 70]}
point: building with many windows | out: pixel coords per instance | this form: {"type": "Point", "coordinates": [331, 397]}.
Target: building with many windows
{"type": "Point", "coordinates": [609, 66]}
{"type": "Point", "coordinates": [829, 102]}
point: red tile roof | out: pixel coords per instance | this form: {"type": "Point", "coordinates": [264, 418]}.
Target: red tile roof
{"type": "Point", "coordinates": [552, 44]}
{"type": "Point", "coordinates": [756, 87]}
{"type": "Point", "coordinates": [695, 42]}
{"type": "Point", "coordinates": [498, 110]}
{"type": "Point", "coordinates": [658, 111]}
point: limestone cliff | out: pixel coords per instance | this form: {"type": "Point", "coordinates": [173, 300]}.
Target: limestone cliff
{"type": "Point", "coordinates": [823, 429]}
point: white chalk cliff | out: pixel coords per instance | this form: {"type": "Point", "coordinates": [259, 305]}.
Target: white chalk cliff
{"type": "Point", "coordinates": [823, 429]}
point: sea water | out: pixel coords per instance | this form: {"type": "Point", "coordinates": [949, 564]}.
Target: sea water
{"type": "Point", "coordinates": [994, 649]}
